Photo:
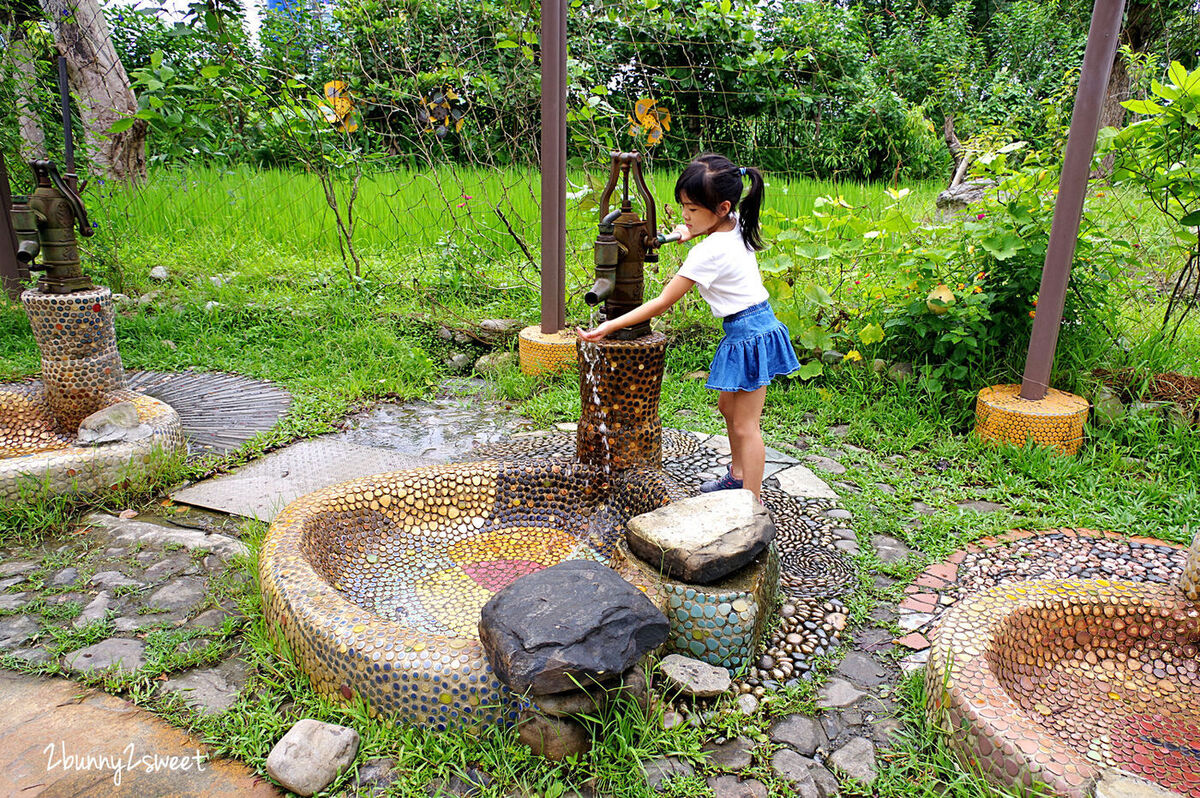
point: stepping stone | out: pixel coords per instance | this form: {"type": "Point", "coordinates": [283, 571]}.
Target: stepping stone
{"type": "Point", "coordinates": [794, 769]}
{"type": "Point", "coordinates": [659, 772]}
{"type": "Point", "coordinates": [838, 693]}
{"type": "Point", "coordinates": [568, 625]}
{"type": "Point", "coordinates": [979, 506]}
{"type": "Point", "coordinates": [861, 670]}
{"type": "Point", "coordinates": [123, 654]}
{"type": "Point", "coordinates": [825, 464]}
{"type": "Point", "coordinates": [856, 759]}
{"type": "Point", "coordinates": [693, 677]}
{"type": "Point", "coordinates": [889, 549]}
{"type": "Point", "coordinates": [799, 481]}
{"type": "Point", "coordinates": [211, 690]}
{"type": "Point", "coordinates": [702, 539]}
{"type": "Point", "coordinates": [15, 630]}
{"type": "Point", "coordinates": [733, 787]}
{"type": "Point", "coordinates": [44, 717]}
{"type": "Point", "coordinates": [179, 594]}
{"type": "Point", "coordinates": [735, 754]}
{"type": "Point", "coordinates": [800, 732]}
{"type": "Point", "coordinates": [95, 611]}
{"type": "Point", "coordinates": [159, 535]}
{"type": "Point", "coordinates": [264, 487]}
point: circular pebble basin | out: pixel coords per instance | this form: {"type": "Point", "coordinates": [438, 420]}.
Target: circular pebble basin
{"type": "Point", "coordinates": [1058, 680]}
{"type": "Point", "coordinates": [37, 455]}
{"type": "Point", "coordinates": [377, 583]}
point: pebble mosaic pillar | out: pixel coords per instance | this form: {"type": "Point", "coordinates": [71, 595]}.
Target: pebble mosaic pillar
{"type": "Point", "coordinates": [77, 340]}
{"type": "Point", "coordinates": [619, 387]}
{"type": "Point", "coordinates": [1189, 582]}
{"type": "Point", "coordinates": [541, 353]}
{"type": "Point", "coordinates": [1055, 420]}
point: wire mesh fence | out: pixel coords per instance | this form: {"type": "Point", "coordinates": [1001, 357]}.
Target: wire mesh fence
{"type": "Point", "coordinates": [400, 137]}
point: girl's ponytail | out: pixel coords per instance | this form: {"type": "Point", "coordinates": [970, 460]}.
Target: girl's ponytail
{"type": "Point", "coordinates": [750, 206]}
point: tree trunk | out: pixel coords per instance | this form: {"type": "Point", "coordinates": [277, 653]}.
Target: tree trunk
{"type": "Point", "coordinates": [1112, 113]}
{"type": "Point", "coordinates": [102, 88]}
{"type": "Point", "coordinates": [33, 138]}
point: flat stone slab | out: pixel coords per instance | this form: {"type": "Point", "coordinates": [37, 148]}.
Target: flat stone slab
{"type": "Point", "coordinates": [154, 533]}
{"type": "Point", "coordinates": [800, 481]}
{"type": "Point", "coordinates": [48, 724]}
{"type": "Point", "coordinates": [210, 690]}
{"type": "Point", "coordinates": [702, 539]}
{"type": "Point", "coordinates": [124, 654]}
{"type": "Point", "coordinates": [263, 488]}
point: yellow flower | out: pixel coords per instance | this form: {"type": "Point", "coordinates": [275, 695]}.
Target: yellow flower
{"type": "Point", "coordinates": [852, 355]}
{"type": "Point", "coordinates": [977, 290]}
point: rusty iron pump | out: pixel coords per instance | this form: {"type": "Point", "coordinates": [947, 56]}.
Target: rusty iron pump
{"type": "Point", "coordinates": [625, 243]}
{"type": "Point", "coordinates": [45, 223]}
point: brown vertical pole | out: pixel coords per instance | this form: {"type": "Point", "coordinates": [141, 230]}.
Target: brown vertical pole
{"type": "Point", "coordinates": [554, 164]}
{"type": "Point", "coordinates": [12, 273]}
{"type": "Point", "coordinates": [1072, 186]}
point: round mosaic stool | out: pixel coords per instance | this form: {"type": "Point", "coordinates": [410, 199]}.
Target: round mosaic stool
{"type": "Point", "coordinates": [542, 354]}
{"type": "Point", "coordinates": [1055, 420]}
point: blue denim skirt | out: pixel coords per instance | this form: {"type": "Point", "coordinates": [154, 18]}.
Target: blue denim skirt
{"type": "Point", "coordinates": [756, 349]}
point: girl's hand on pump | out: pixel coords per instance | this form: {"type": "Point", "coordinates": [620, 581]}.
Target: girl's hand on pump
{"type": "Point", "coordinates": [683, 232]}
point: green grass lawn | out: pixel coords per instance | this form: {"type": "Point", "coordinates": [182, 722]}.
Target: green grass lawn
{"type": "Point", "coordinates": [286, 311]}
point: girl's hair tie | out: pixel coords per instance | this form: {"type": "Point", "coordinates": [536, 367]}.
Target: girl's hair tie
{"type": "Point", "coordinates": [742, 171]}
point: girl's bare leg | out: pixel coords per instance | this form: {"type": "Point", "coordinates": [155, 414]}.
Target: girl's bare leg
{"type": "Point", "coordinates": [743, 411]}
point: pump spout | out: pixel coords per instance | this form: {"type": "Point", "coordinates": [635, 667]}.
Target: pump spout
{"type": "Point", "coordinates": [601, 290]}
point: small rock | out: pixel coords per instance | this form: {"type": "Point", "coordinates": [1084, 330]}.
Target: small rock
{"type": "Point", "coordinates": [211, 305]}
{"type": "Point", "coordinates": [67, 576]}
{"type": "Point", "coordinates": [696, 375]}
{"type": "Point", "coordinates": [16, 567]}
{"type": "Point", "coordinates": [498, 330]}
{"type": "Point", "coordinates": [169, 344]}
{"type": "Point", "coordinates": [693, 677]}
{"type": "Point", "coordinates": [307, 759]}
{"type": "Point", "coordinates": [794, 769]}
{"type": "Point", "coordinates": [837, 694]}
{"type": "Point", "coordinates": [889, 549]}
{"type": "Point", "coordinates": [735, 754]}
{"type": "Point", "coordinates": [1107, 408]}
{"type": "Point", "coordinates": [800, 732]}
{"type": "Point", "coordinates": [495, 363]}
{"type": "Point", "coordinates": [977, 506]}
{"type": "Point", "coordinates": [856, 759]}
{"type": "Point", "coordinates": [827, 783]}
{"type": "Point", "coordinates": [832, 357]}
{"type": "Point", "coordinates": [552, 738]}
{"type": "Point", "coordinates": [16, 630]}
{"type": "Point", "coordinates": [459, 363]}
{"type": "Point", "coordinates": [747, 704]}
{"type": "Point", "coordinates": [659, 772]}
{"type": "Point", "coordinates": [733, 787]}
{"type": "Point", "coordinates": [13, 601]}
{"type": "Point", "coordinates": [96, 610]}
{"type": "Point", "coordinates": [182, 593]}
{"type": "Point", "coordinates": [900, 372]}
{"type": "Point", "coordinates": [112, 579]}
{"type": "Point", "coordinates": [1125, 785]}
{"type": "Point", "coordinates": [826, 464]}
{"type": "Point", "coordinates": [672, 719]}
{"type": "Point", "coordinates": [862, 670]}
{"type": "Point", "coordinates": [374, 776]}
{"type": "Point", "coordinates": [159, 274]}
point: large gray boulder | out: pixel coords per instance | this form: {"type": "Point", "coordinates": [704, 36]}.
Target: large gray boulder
{"type": "Point", "coordinates": [571, 624]}
{"type": "Point", "coordinates": [702, 539]}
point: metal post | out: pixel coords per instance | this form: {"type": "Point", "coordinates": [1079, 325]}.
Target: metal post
{"type": "Point", "coordinates": [12, 273]}
{"type": "Point", "coordinates": [1072, 186]}
{"type": "Point", "coordinates": [554, 164]}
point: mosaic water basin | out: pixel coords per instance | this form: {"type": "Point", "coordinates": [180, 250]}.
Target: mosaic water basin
{"type": "Point", "coordinates": [377, 583]}
{"type": "Point", "coordinates": [1057, 681]}
{"type": "Point", "coordinates": [36, 454]}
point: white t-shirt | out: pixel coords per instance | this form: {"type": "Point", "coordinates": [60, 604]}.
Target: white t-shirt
{"type": "Point", "coordinates": [725, 272]}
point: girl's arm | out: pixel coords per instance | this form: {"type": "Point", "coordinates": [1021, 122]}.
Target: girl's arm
{"type": "Point", "coordinates": [671, 294]}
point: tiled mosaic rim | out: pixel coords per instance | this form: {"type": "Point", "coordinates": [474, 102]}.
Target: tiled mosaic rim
{"type": "Point", "coordinates": [966, 700]}
{"type": "Point", "coordinates": [443, 680]}
{"type": "Point", "coordinates": [87, 470]}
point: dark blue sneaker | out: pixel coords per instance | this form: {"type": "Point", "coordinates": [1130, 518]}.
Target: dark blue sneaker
{"type": "Point", "coordinates": [726, 482]}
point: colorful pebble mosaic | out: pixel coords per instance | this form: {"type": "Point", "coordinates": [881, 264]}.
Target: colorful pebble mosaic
{"type": "Point", "coordinates": [1056, 420]}
{"type": "Point", "coordinates": [619, 427]}
{"type": "Point", "coordinates": [81, 373]}
{"type": "Point", "coordinates": [1057, 679]}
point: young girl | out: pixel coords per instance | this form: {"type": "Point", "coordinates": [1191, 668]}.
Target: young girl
{"type": "Point", "coordinates": [756, 347]}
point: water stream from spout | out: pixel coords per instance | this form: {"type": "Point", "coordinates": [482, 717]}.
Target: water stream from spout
{"type": "Point", "coordinates": [591, 356]}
